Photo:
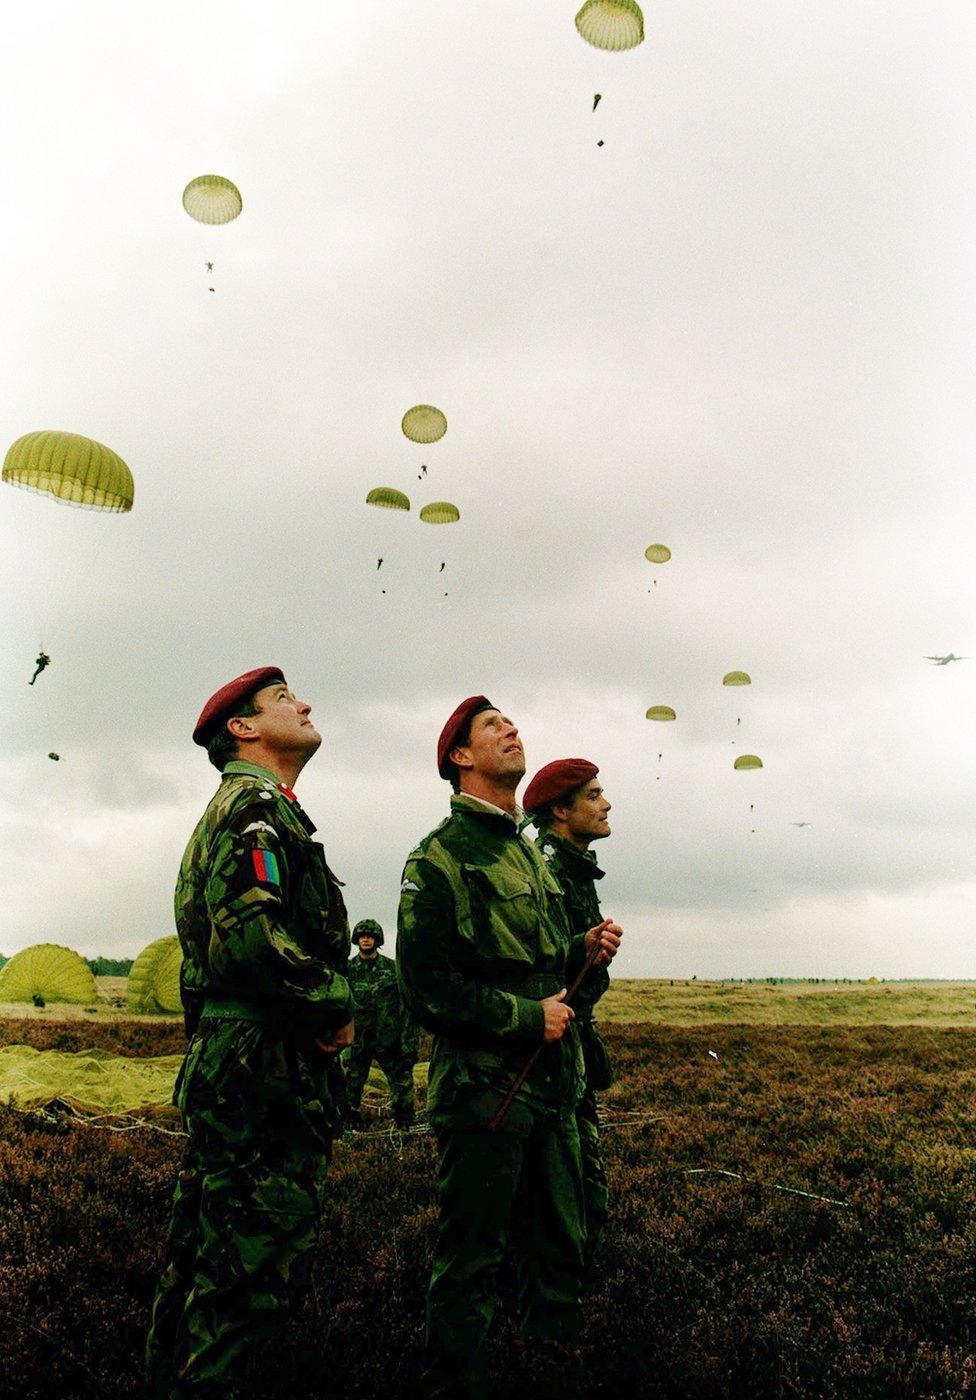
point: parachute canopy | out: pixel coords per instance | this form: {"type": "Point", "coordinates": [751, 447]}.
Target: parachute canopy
{"type": "Point", "coordinates": [657, 554]}
{"type": "Point", "coordinates": [90, 1079]}
{"type": "Point", "coordinates": [440, 513]}
{"type": "Point", "coordinates": [210, 199]}
{"type": "Point", "coordinates": [388, 498]}
{"type": "Point", "coordinates": [424, 423]}
{"type": "Point", "coordinates": [49, 971]}
{"type": "Point", "coordinates": [661, 712]}
{"type": "Point", "coordinates": [611, 24]}
{"type": "Point", "coordinates": [736, 678]}
{"type": "Point", "coordinates": [154, 978]}
{"type": "Point", "coordinates": [70, 468]}
{"type": "Point", "coordinates": [746, 761]}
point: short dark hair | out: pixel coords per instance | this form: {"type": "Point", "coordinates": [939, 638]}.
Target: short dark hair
{"type": "Point", "coordinates": [544, 816]}
{"type": "Point", "coordinates": [222, 748]}
{"type": "Point", "coordinates": [461, 740]}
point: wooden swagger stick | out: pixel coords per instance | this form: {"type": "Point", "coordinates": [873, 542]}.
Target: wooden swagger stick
{"type": "Point", "coordinates": [526, 1070]}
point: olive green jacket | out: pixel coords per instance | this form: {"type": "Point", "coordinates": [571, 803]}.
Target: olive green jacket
{"type": "Point", "coordinates": [576, 873]}
{"type": "Point", "coordinates": [380, 1012]}
{"type": "Point", "coordinates": [260, 916]}
{"type": "Point", "coordinates": [482, 938]}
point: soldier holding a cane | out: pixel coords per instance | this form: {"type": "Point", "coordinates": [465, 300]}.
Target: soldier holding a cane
{"type": "Point", "coordinates": [486, 961]}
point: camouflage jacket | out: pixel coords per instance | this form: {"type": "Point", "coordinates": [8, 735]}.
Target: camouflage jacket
{"type": "Point", "coordinates": [259, 914]}
{"type": "Point", "coordinates": [379, 1005]}
{"type": "Point", "coordinates": [576, 873]}
{"type": "Point", "coordinates": [482, 938]}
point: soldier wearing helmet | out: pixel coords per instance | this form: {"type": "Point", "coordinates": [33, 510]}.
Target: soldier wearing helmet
{"type": "Point", "coordinates": [384, 1031]}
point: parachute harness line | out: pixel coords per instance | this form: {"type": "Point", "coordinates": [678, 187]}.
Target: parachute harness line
{"type": "Point", "coordinates": [766, 1185]}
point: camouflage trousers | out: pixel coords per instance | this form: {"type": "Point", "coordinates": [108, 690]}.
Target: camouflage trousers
{"type": "Point", "coordinates": [520, 1187]}
{"type": "Point", "coordinates": [595, 1193]}
{"type": "Point", "coordinates": [395, 1064]}
{"type": "Point", "coordinates": [246, 1209]}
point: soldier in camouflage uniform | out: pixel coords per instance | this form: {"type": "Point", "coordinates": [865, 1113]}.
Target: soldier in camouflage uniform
{"type": "Point", "coordinates": [265, 943]}
{"type": "Point", "coordinates": [484, 955]}
{"type": "Point", "coordinates": [567, 804]}
{"type": "Point", "coordinates": [384, 1031]}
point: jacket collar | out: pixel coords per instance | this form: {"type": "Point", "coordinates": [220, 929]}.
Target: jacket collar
{"type": "Point", "coordinates": [477, 806]}
{"type": "Point", "coordinates": [585, 866]}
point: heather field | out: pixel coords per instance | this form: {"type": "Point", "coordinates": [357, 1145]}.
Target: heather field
{"type": "Point", "coordinates": [709, 1284]}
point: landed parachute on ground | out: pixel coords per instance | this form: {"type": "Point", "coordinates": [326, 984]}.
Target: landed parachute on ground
{"type": "Point", "coordinates": [71, 468]}
{"type": "Point", "coordinates": [424, 423]}
{"type": "Point", "coordinates": [746, 761]}
{"type": "Point", "coordinates": [611, 24]}
{"type": "Point", "coordinates": [154, 978]}
{"type": "Point", "coordinates": [388, 498]}
{"type": "Point", "coordinates": [47, 970]}
{"type": "Point", "coordinates": [440, 513]}
{"type": "Point", "coordinates": [212, 199]}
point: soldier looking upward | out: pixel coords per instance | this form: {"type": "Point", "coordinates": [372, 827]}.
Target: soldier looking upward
{"type": "Point", "coordinates": [265, 943]}
{"type": "Point", "coordinates": [484, 955]}
{"type": "Point", "coordinates": [566, 802]}
{"type": "Point", "coordinates": [384, 1031]}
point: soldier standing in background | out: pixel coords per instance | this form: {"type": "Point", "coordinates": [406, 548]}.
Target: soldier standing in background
{"type": "Point", "coordinates": [265, 943]}
{"type": "Point", "coordinates": [566, 803]}
{"type": "Point", "coordinates": [384, 1031]}
{"type": "Point", "coordinates": [484, 955]}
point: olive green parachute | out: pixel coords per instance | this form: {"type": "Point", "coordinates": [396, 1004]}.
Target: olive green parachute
{"type": "Point", "coordinates": [611, 24]}
{"type": "Point", "coordinates": [440, 513]}
{"type": "Point", "coordinates": [746, 761]}
{"type": "Point", "coordinates": [736, 678]}
{"type": "Point", "coordinates": [49, 971]}
{"type": "Point", "coordinates": [71, 468]}
{"type": "Point", "coordinates": [424, 423]}
{"type": "Point", "coordinates": [92, 1080]}
{"type": "Point", "coordinates": [661, 712]}
{"type": "Point", "coordinates": [154, 978]}
{"type": "Point", "coordinates": [210, 199]}
{"type": "Point", "coordinates": [387, 498]}
{"type": "Point", "coordinates": [657, 554]}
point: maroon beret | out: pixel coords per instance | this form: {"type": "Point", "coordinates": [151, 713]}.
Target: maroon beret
{"type": "Point", "coordinates": [456, 725]}
{"type": "Point", "coordinates": [228, 697]}
{"type": "Point", "coordinates": [557, 780]}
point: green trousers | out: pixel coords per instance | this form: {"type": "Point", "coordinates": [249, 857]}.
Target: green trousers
{"type": "Point", "coordinates": [246, 1209]}
{"type": "Point", "coordinates": [595, 1193]}
{"type": "Point", "coordinates": [521, 1185]}
{"type": "Point", "coordinates": [398, 1068]}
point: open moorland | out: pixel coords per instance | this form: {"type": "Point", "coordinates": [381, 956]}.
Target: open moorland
{"type": "Point", "coordinates": [794, 1214]}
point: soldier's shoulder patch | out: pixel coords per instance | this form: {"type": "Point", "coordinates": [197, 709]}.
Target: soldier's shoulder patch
{"type": "Point", "coordinates": [266, 867]}
{"type": "Point", "coordinates": [259, 826]}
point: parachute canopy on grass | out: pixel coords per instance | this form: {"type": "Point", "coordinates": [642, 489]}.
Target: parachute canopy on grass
{"type": "Point", "coordinates": [736, 678]}
{"type": "Point", "coordinates": [49, 971]}
{"type": "Point", "coordinates": [154, 978]}
{"type": "Point", "coordinates": [424, 423]}
{"type": "Point", "coordinates": [657, 554]}
{"type": "Point", "coordinates": [211, 199]}
{"type": "Point", "coordinates": [388, 498]}
{"type": "Point", "coordinates": [71, 468]}
{"type": "Point", "coordinates": [611, 24]}
{"type": "Point", "coordinates": [92, 1080]}
{"type": "Point", "coordinates": [440, 513]}
{"type": "Point", "coordinates": [661, 712]}
{"type": "Point", "coordinates": [746, 761]}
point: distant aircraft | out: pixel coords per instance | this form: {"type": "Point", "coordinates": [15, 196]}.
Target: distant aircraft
{"type": "Point", "coordinates": [944, 660]}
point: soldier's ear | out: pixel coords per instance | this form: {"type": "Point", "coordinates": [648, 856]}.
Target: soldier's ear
{"type": "Point", "coordinates": [466, 762]}
{"type": "Point", "coordinates": [241, 727]}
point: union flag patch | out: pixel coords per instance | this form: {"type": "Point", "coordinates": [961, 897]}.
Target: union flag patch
{"type": "Point", "coordinates": [266, 867]}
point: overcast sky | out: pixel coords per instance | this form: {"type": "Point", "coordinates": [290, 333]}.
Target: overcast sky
{"type": "Point", "coordinates": [742, 327]}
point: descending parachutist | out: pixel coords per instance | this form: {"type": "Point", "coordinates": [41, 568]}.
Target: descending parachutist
{"type": "Point", "coordinates": [211, 289]}
{"type": "Point", "coordinates": [441, 569]}
{"type": "Point", "coordinates": [738, 719]}
{"type": "Point", "coordinates": [210, 267]}
{"type": "Point", "coordinates": [42, 661]}
{"type": "Point", "coordinates": [55, 756]}
{"type": "Point", "coordinates": [599, 143]}
{"type": "Point", "coordinates": [379, 562]}
{"type": "Point", "coordinates": [596, 100]}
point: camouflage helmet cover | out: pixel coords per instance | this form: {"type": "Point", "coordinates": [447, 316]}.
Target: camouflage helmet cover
{"type": "Point", "coordinates": [371, 927]}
